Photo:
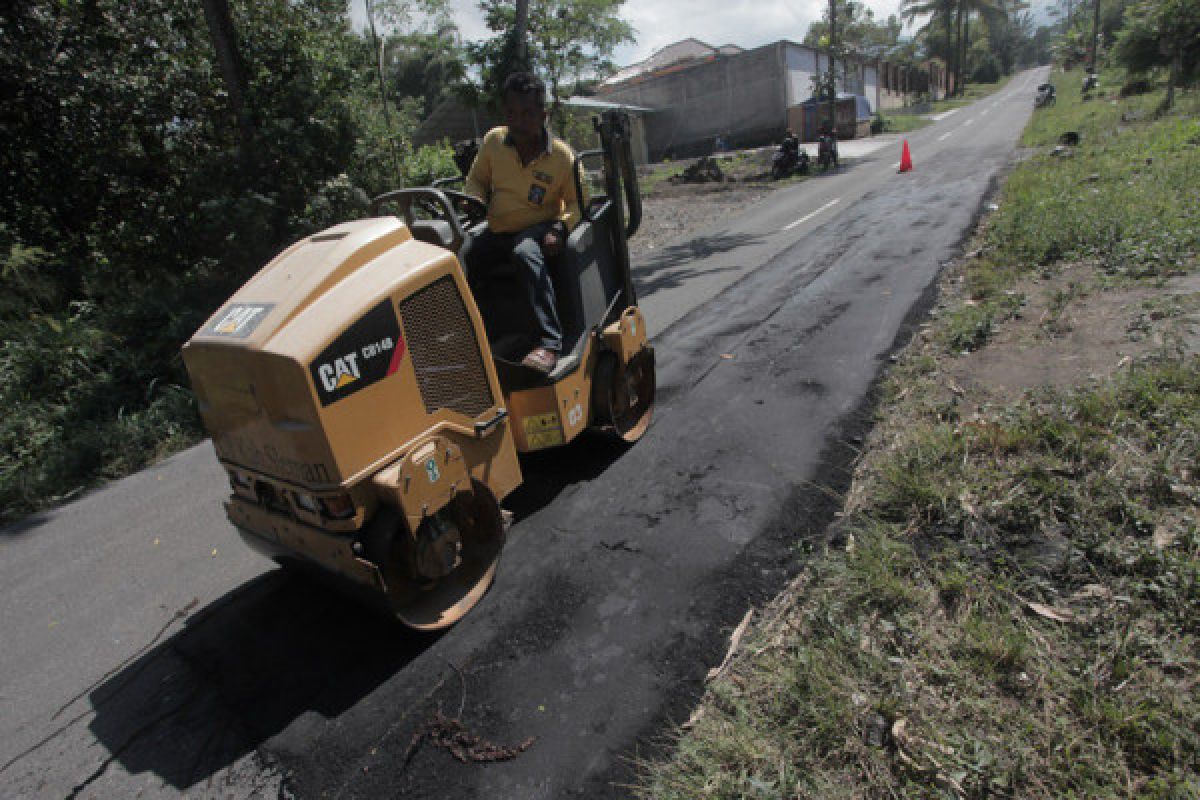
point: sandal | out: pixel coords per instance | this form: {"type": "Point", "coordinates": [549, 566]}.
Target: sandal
{"type": "Point", "coordinates": [541, 359]}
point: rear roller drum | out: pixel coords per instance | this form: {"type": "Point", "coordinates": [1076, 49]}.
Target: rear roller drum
{"type": "Point", "coordinates": [623, 394]}
{"type": "Point", "coordinates": [440, 574]}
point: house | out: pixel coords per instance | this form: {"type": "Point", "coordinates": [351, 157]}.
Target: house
{"type": "Point", "coordinates": [698, 92]}
{"type": "Point", "coordinates": [453, 121]}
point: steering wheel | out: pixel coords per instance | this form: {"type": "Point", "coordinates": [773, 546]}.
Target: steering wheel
{"type": "Point", "coordinates": [455, 208]}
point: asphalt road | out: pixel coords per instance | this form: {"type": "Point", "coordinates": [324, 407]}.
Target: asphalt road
{"type": "Point", "coordinates": [147, 653]}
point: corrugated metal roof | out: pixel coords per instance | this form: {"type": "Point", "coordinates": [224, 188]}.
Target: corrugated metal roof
{"type": "Point", "coordinates": [591, 102]}
{"type": "Point", "coordinates": [684, 50]}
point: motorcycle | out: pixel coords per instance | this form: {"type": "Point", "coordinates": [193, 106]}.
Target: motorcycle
{"type": "Point", "coordinates": [827, 154]}
{"type": "Point", "coordinates": [1090, 81]}
{"type": "Point", "coordinates": [789, 160]}
{"type": "Point", "coordinates": [1045, 96]}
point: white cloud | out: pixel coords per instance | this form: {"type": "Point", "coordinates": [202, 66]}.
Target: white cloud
{"type": "Point", "coordinates": [658, 23]}
{"type": "Point", "coordinates": [741, 22]}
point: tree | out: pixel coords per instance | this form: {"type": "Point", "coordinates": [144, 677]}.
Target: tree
{"type": "Point", "coordinates": [1162, 33]}
{"type": "Point", "coordinates": [224, 37]}
{"type": "Point", "coordinates": [993, 11]}
{"type": "Point", "coordinates": [568, 41]}
{"type": "Point", "coordinates": [857, 30]}
{"type": "Point", "coordinates": [130, 208]}
{"type": "Point", "coordinates": [938, 32]}
{"type": "Point", "coordinates": [427, 66]}
{"type": "Point", "coordinates": [398, 15]}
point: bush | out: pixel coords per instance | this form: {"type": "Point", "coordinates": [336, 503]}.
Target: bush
{"type": "Point", "coordinates": [428, 163]}
{"type": "Point", "coordinates": [987, 72]}
{"type": "Point", "coordinates": [1136, 86]}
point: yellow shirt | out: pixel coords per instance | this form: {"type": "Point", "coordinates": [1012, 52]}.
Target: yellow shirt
{"type": "Point", "coordinates": [520, 195]}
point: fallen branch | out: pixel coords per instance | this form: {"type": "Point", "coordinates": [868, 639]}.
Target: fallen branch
{"type": "Point", "coordinates": [734, 641]}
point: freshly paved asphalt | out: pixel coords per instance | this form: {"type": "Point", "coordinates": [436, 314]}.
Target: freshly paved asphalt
{"type": "Point", "coordinates": [147, 653]}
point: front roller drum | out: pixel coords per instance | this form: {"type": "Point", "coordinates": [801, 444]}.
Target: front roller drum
{"type": "Point", "coordinates": [437, 575]}
{"type": "Point", "coordinates": [623, 394]}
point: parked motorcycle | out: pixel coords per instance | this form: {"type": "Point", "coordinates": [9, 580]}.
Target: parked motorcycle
{"type": "Point", "coordinates": [789, 159]}
{"type": "Point", "coordinates": [1046, 96]}
{"type": "Point", "coordinates": [1090, 81]}
{"type": "Point", "coordinates": [827, 153]}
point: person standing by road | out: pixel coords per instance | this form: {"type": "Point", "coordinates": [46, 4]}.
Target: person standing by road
{"type": "Point", "coordinates": [524, 175]}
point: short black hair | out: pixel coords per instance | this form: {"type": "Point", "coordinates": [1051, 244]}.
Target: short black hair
{"type": "Point", "coordinates": [525, 83]}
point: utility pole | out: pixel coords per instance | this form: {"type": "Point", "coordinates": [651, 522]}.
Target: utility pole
{"type": "Point", "coordinates": [833, 67]}
{"type": "Point", "coordinates": [519, 32]}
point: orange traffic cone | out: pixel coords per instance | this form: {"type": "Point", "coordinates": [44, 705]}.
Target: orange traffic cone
{"type": "Point", "coordinates": [905, 158]}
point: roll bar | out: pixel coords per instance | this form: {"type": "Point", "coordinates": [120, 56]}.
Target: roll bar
{"type": "Point", "coordinates": [404, 199]}
{"type": "Point", "coordinates": [620, 178]}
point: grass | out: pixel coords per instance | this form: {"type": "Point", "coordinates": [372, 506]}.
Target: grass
{"type": "Point", "coordinates": [1010, 606]}
{"type": "Point", "coordinates": [1127, 199]}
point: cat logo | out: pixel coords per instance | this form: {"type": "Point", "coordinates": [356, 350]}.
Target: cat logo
{"type": "Point", "coordinates": [340, 374]}
{"type": "Point", "coordinates": [239, 320]}
{"type": "Point", "coordinates": [366, 353]}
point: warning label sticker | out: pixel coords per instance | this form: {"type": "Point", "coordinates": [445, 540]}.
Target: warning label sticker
{"type": "Point", "coordinates": [542, 430]}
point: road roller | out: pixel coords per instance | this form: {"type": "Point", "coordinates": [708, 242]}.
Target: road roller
{"type": "Point", "coordinates": [368, 403]}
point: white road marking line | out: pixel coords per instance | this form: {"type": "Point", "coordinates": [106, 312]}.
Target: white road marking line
{"type": "Point", "coordinates": [807, 217]}
{"type": "Point", "coordinates": [967, 122]}
{"type": "Point", "coordinates": [945, 135]}
{"type": "Point", "coordinates": [943, 115]}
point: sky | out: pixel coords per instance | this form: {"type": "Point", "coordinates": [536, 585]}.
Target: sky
{"type": "Point", "coordinates": [657, 23]}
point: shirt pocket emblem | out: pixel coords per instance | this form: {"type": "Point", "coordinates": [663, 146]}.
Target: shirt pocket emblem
{"type": "Point", "coordinates": [537, 194]}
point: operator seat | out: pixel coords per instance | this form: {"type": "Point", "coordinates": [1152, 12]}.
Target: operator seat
{"type": "Point", "coordinates": [583, 277]}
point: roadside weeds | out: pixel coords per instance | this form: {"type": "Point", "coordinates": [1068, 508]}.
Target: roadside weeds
{"type": "Point", "coordinates": [1011, 601]}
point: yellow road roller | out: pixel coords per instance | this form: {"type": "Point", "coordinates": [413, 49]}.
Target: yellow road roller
{"type": "Point", "coordinates": [363, 396]}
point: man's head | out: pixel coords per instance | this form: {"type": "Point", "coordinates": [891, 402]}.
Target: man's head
{"type": "Point", "coordinates": [525, 106]}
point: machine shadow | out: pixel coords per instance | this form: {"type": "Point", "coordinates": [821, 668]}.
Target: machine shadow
{"type": "Point", "coordinates": [547, 473]}
{"type": "Point", "coordinates": [240, 672]}
{"type": "Point", "coordinates": [674, 266]}
{"type": "Point", "coordinates": [24, 526]}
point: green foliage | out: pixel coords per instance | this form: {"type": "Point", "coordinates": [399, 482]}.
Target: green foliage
{"type": "Point", "coordinates": [429, 66]}
{"type": "Point", "coordinates": [857, 30]}
{"type": "Point", "coordinates": [428, 163]}
{"type": "Point", "coordinates": [131, 209]}
{"type": "Point", "coordinates": [1064, 208]}
{"type": "Point", "coordinates": [1156, 31]}
{"type": "Point", "coordinates": [569, 41]}
{"type": "Point", "coordinates": [987, 70]}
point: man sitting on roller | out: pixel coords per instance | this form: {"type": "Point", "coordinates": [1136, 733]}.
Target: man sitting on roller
{"type": "Point", "coordinates": [523, 174]}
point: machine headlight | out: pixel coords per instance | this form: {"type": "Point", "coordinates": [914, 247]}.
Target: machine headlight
{"type": "Point", "coordinates": [339, 506]}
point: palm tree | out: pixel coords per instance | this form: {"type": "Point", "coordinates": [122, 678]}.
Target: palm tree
{"type": "Point", "coordinates": [939, 13]}
{"type": "Point", "coordinates": [993, 11]}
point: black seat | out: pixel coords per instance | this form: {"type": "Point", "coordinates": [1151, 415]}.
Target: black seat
{"type": "Point", "coordinates": [585, 282]}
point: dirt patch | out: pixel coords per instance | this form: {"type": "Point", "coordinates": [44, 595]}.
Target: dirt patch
{"type": "Point", "coordinates": [1071, 332]}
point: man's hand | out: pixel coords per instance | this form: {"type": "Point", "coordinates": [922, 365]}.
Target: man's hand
{"type": "Point", "coordinates": [552, 242]}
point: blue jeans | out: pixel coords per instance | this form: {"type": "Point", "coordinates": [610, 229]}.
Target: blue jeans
{"type": "Point", "coordinates": [524, 250]}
